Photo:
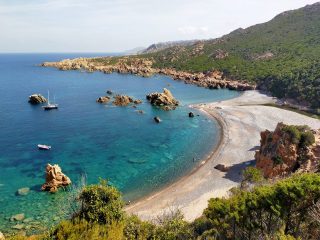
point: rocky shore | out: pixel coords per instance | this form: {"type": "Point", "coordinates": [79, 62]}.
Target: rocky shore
{"type": "Point", "coordinates": [143, 67]}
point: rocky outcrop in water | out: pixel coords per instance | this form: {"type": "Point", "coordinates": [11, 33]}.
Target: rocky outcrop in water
{"type": "Point", "coordinates": [191, 114]}
{"type": "Point", "coordinates": [164, 100]}
{"type": "Point", "coordinates": [54, 179]}
{"type": "Point", "coordinates": [37, 98]}
{"type": "Point", "coordinates": [103, 99]}
{"type": "Point", "coordinates": [288, 149]}
{"type": "Point", "coordinates": [143, 67]}
{"type": "Point", "coordinates": [122, 100]}
{"type": "Point", "coordinates": [157, 119]}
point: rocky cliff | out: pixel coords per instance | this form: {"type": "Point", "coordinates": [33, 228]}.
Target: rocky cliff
{"type": "Point", "coordinates": [288, 149]}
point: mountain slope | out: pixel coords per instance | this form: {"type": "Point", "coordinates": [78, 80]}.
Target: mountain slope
{"type": "Point", "coordinates": [282, 55]}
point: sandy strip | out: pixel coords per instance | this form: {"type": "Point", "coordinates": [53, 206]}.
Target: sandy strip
{"type": "Point", "coordinates": [241, 120]}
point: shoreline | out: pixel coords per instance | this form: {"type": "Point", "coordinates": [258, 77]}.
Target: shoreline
{"type": "Point", "coordinates": [201, 163]}
{"type": "Point", "coordinates": [240, 120]}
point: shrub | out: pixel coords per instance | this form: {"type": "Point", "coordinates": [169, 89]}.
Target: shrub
{"type": "Point", "coordinates": [307, 139]}
{"type": "Point", "coordinates": [137, 229]}
{"type": "Point", "coordinates": [81, 229]}
{"type": "Point", "coordinates": [266, 210]}
{"type": "Point", "coordinates": [294, 133]}
{"type": "Point", "coordinates": [101, 204]}
{"type": "Point", "coordinates": [277, 160]}
{"type": "Point", "coordinates": [251, 175]}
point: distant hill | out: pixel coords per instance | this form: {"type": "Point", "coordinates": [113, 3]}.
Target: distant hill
{"type": "Point", "coordinates": [281, 56]}
{"type": "Point", "coordinates": [164, 45]}
{"type": "Point", "coordinates": [133, 51]}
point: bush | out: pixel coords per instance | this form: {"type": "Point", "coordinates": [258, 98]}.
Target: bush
{"type": "Point", "coordinates": [277, 160]}
{"type": "Point", "coordinates": [137, 229]}
{"type": "Point", "coordinates": [294, 133]}
{"type": "Point", "coordinates": [81, 229]}
{"type": "Point", "coordinates": [100, 204]}
{"type": "Point", "coordinates": [171, 225]}
{"type": "Point", "coordinates": [266, 210]}
{"type": "Point", "coordinates": [307, 139]}
{"type": "Point", "coordinates": [251, 175]}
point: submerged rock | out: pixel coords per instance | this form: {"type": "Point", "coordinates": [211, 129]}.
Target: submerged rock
{"type": "Point", "coordinates": [157, 119]}
{"type": "Point", "coordinates": [18, 226]}
{"type": "Point", "coordinates": [104, 99]}
{"type": "Point", "coordinates": [54, 179]}
{"type": "Point", "coordinates": [23, 191]}
{"type": "Point", "coordinates": [164, 100]}
{"type": "Point", "coordinates": [140, 111]}
{"type": "Point", "coordinates": [122, 100]}
{"type": "Point", "coordinates": [137, 101]}
{"type": "Point", "coordinates": [109, 92]}
{"type": "Point", "coordinates": [37, 98]}
{"type": "Point", "coordinates": [17, 217]}
{"type": "Point", "coordinates": [191, 115]}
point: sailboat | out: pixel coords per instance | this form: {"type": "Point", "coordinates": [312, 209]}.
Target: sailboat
{"type": "Point", "coordinates": [49, 105]}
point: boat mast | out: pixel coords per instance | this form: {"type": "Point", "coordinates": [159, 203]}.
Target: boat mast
{"type": "Point", "coordinates": [48, 97]}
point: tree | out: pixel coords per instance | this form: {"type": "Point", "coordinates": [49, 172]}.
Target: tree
{"type": "Point", "coordinates": [100, 203]}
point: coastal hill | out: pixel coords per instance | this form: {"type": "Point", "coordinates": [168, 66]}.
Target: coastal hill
{"type": "Point", "coordinates": [281, 56]}
{"type": "Point", "coordinates": [156, 47]}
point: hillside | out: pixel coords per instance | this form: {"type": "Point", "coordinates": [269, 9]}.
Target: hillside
{"type": "Point", "coordinates": [281, 56]}
{"type": "Point", "coordinates": [164, 45]}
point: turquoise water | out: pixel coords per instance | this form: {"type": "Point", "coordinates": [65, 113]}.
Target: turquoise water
{"type": "Point", "coordinates": [116, 143]}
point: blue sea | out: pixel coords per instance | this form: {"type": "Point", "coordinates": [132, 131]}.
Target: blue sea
{"type": "Point", "coordinates": [89, 139]}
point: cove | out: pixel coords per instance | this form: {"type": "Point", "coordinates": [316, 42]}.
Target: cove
{"type": "Point", "coordinates": [129, 149]}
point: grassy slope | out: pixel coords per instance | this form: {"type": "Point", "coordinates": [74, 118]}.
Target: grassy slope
{"type": "Point", "coordinates": [294, 70]}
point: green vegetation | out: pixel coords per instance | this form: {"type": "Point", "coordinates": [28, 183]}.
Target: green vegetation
{"type": "Point", "coordinates": [277, 160]}
{"type": "Point", "coordinates": [287, 209]}
{"type": "Point", "coordinates": [101, 204]}
{"type": "Point", "coordinates": [300, 135]}
{"type": "Point", "coordinates": [267, 210]}
{"type": "Point", "coordinates": [251, 175]}
{"type": "Point", "coordinates": [281, 56]}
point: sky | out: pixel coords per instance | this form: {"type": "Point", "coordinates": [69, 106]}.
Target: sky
{"type": "Point", "coordinates": [118, 25]}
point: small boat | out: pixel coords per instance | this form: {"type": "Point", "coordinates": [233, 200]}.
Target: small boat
{"type": "Point", "coordinates": [50, 106]}
{"type": "Point", "coordinates": [44, 147]}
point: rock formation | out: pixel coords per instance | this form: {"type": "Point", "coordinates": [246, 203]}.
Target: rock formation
{"type": "Point", "coordinates": [17, 217]}
{"type": "Point", "coordinates": [104, 99]}
{"type": "Point", "coordinates": [288, 149]}
{"type": "Point", "coordinates": [191, 114]}
{"type": "Point", "coordinates": [222, 168]}
{"type": "Point", "coordinates": [157, 119]}
{"type": "Point", "coordinates": [143, 67]}
{"type": "Point", "coordinates": [164, 100]}
{"type": "Point", "coordinates": [37, 98]}
{"type": "Point", "coordinates": [2, 236]}
{"type": "Point", "coordinates": [137, 101]}
{"type": "Point", "coordinates": [122, 100]}
{"type": "Point", "coordinates": [23, 191]}
{"type": "Point", "coordinates": [54, 179]}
